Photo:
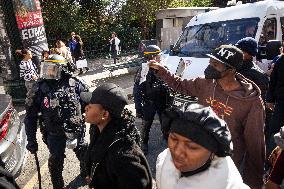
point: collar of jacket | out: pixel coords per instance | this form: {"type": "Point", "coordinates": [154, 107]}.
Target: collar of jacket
{"type": "Point", "coordinates": [101, 143]}
{"type": "Point", "coordinates": [248, 64]}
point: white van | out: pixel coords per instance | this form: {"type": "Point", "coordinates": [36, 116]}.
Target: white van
{"type": "Point", "coordinates": [262, 20]}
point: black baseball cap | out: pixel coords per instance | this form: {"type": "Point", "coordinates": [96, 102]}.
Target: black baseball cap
{"type": "Point", "coordinates": [109, 95]}
{"type": "Point", "coordinates": [229, 55]}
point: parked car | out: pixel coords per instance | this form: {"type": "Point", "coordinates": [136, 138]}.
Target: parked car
{"type": "Point", "coordinates": [13, 138]}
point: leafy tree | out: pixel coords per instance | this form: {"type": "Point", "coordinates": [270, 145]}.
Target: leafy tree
{"type": "Point", "coordinates": [94, 20]}
{"type": "Point", "coordinates": [61, 18]}
{"type": "Point", "coordinates": [192, 3]}
{"type": "Point", "coordinates": [143, 13]}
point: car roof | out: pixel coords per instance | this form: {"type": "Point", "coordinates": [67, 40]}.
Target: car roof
{"type": "Point", "coordinates": [248, 10]}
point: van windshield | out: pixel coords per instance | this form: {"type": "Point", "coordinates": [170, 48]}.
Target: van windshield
{"type": "Point", "coordinates": [198, 40]}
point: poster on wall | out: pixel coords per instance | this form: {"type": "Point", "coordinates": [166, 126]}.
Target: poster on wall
{"type": "Point", "coordinates": [30, 24]}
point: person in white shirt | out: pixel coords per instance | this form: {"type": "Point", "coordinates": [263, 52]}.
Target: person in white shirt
{"type": "Point", "coordinates": [28, 70]}
{"type": "Point", "coordinates": [114, 46]}
{"type": "Point", "coordinates": [198, 153]}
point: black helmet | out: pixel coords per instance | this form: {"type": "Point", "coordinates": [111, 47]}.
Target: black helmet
{"type": "Point", "coordinates": [201, 125]}
{"type": "Point", "coordinates": [151, 50]}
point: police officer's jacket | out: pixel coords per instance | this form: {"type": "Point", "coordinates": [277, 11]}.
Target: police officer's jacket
{"type": "Point", "coordinates": [155, 90]}
{"type": "Point", "coordinates": [59, 104]}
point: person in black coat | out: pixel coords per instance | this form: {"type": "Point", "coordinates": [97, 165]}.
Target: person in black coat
{"type": "Point", "coordinates": [155, 96]}
{"type": "Point", "coordinates": [275, 101]}
{"type": "Point", "coordinates": [249, 69]}
{"type": "Point", "coordinates": [114, 159]}
{"type": "Point", "coordinates": [78, 53]}
{"type": "Point", "coordinates": [252, 72]}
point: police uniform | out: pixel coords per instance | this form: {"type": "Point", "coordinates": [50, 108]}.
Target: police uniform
{"type": "Point", "coordinates": [155, 96]}
{"type": "Point", "coordinates": [56, 104]}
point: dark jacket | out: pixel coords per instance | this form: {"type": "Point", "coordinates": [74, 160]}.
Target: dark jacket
{"type": "Point", "coordinates": [116, 161]}
{"type": "Point", "coordinates": [78, 53]}
{"type": "Point", "coordinates": [276, 85]}
{"type": "Point", "coordinates": [59, 104]}
{"type": "Point", "coordinates": [155, 90]}
{"type": "Point", "coordinates": [252, 72]}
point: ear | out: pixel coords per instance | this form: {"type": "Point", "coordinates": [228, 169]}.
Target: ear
{"type": "Point", "coordinates": [105, 115]}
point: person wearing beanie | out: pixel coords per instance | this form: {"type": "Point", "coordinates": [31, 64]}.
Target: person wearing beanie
{"type": "Point", "coordinates": [249, 69]}
{"type": "Point", "coordinates": [276, 176]}
{"type": "Point", "coordinates": [198, 153]}
{"type": "Point", "coordinates": [114, 159]}
{"type": "Point", "coordinates": [234, 99]}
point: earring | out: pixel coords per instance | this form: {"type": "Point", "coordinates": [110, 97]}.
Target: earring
{"type": "Point", "coordinates": [103, 118]}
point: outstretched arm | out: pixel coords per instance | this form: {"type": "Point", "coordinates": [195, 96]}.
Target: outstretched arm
{"type": "Point", "coordinates": [190, 87]}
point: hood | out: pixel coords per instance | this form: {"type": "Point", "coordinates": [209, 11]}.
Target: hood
{"type": "Point", "coordinates": [247, 91]}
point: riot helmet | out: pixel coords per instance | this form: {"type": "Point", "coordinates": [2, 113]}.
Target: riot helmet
{"type": "Point", "coordinates": [53, 67]}
{"type": "Point", "coordinates": [151, 51]}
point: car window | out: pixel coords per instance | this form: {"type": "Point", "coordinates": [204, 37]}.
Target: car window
{"type": "Point", "coordinates": [268, 31]}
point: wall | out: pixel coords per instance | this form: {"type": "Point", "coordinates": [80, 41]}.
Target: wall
{"type": "Point", "coordinates": [171, 22]}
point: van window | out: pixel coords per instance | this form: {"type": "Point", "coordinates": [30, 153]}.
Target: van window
{"type": "Point", "coordinates": [268, 31]}
{"type": "Point", "coordinates": [196, 41]}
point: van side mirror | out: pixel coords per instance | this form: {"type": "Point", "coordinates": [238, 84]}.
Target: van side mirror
{"type": "Point", "coordinates": [272, 49]}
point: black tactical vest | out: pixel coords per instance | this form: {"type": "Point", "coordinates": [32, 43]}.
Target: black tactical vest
{"type": "Point", "coordinates": [60, 106]}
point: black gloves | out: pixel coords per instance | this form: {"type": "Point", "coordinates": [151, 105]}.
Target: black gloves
{"type": "Point", "coordinates": [32, 146]}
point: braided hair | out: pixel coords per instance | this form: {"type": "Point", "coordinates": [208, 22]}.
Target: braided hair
{"type": "Point", "coordinates": [126, 126]}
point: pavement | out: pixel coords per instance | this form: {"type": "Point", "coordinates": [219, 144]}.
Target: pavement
{"type": "Point", "coordinates": [98, 70]}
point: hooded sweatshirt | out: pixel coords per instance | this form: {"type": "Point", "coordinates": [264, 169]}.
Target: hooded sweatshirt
{"type": "Point", "coordinates": [222, 174]}
{"type": "Point", "coordinates": [243, 111]}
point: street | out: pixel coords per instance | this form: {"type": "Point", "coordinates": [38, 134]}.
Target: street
{"type": "Point", "coordinates": [28, 178]}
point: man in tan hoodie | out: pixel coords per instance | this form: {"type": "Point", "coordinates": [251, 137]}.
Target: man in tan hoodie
{"type": "Point", "coordinates": [236, 100]}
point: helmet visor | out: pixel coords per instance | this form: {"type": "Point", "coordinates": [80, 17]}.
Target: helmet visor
{"type": "Point", "coordinates": [49, 70]}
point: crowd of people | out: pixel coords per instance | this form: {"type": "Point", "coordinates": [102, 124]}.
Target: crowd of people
{"type": "Point", "coordinates": [223, 140]}
{"type": "Point", "coordinates": [240, 93]}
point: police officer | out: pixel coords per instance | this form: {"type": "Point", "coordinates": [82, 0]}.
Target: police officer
{"type": "Point", "coordinates": [56, 103]}
{"type": "Point", "coordinates": [249, 69]}
{"type": "Point", "coordinates": [155, 94]}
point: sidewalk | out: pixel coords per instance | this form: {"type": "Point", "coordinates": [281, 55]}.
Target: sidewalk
{"type": "Point", "coordinates": [97, 71]}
